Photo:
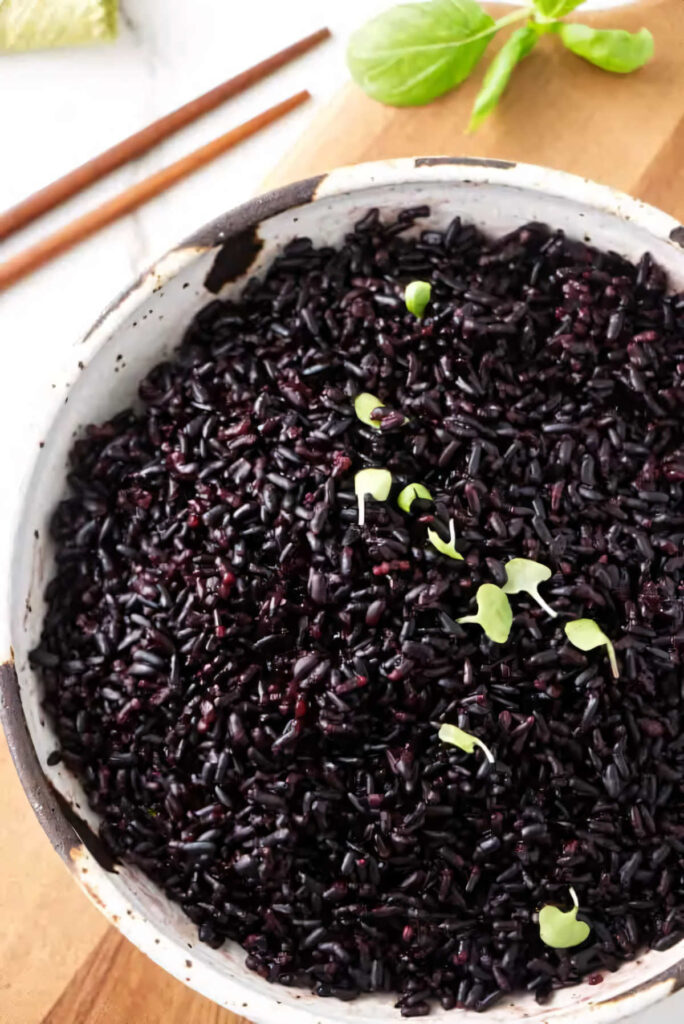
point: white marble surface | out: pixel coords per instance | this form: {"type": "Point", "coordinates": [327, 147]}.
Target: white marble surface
{"type": "Point", "coordinates": [62, 107]}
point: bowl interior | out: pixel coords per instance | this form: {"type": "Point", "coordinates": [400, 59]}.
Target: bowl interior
{"type": "Point", "coordinates": [143, 328]}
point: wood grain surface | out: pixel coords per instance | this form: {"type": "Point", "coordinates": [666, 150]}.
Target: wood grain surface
{"type": "Point", "coordinates": [622, 130]}
{"type": "Point", "coordinates": [60, 963]}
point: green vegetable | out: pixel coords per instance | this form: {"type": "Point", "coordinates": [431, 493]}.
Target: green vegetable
{"type": "Point", "coordinates": [562, 930]}
{"type": "Point", "coordinates": [37, 24]}
{"type": "Point", "coordinates": [376, 482]}
{"type": "Point", "coordinates": [408, 495]}
{"type": "Point", "coordinates": [498, 74]}
{"type": "Point", "coordinates": [417, 296]}
{"type": "Point", "coordinates": [524, 575]}
{"type": "Point", "coordinates": [493, 613]}
{"type": "Point", "coordinates": [463, 740]}
{"type": "Point", "coordinates": [587, 634]}
{"type": "Point", "coordinates": [364, 404]}
{"type": "Point", "coordinates": [611, 49]}
{"type": "Point", "coordinates": [413, 53]}
{"type": "Point", "coordinates": [553, 9]}
{"type": "Point", "coordinates": [443, 546]}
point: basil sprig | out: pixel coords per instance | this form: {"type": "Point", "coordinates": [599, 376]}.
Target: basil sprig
{"type": "Point", "coordinates": [415, 52]}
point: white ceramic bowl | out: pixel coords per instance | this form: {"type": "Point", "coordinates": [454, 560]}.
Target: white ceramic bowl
{"type": "Point", "coordinates": [143, 327]}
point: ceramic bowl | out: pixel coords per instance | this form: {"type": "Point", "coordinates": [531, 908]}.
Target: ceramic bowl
{"type": "Point", "coordinates": [138, 330]}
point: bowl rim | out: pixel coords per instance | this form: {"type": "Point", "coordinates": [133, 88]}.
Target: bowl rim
{"type": "Point", "coordinates": [70, 836]}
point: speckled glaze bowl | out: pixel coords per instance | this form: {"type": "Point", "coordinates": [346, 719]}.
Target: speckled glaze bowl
{"type": "Point", "coordinates": [141, 328]}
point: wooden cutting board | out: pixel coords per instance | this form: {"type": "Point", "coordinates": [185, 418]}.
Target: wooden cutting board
{"type": "Point", "coordinates": [622, 130]}
{"type": "Point", "coordinates": [60, 963]}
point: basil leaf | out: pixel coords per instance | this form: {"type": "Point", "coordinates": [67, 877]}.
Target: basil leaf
{"type": "Point", "coordinates": [556, 8]}
{"type": "Point", "coordinates": [610, 49]}
{"type": "Point", "coordinates": [517, 46]}
{"type": "Point", "coordinates": [413, 53]}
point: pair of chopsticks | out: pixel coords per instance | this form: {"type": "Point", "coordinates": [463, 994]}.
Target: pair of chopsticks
{"type": "Point", "coordinates": [131, 148]}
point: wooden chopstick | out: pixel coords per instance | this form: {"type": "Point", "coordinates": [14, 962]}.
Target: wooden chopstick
{"type": "Point", "coordinates": [135, 145]}
{"type": "Point", "coordinates": [30, 259]}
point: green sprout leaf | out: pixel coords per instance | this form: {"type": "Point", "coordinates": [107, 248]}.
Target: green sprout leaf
{"type": "Point", "coordinates": [417, 296]}
{"type": "Point", "coordinates": [561, 929]}
{"type": "Point", "coordinates": [408, 495]}
{"type": "Point", "coordinates": [611, 49]}
{"type": "Point", "coordinates": [443, 546]}
{"type": "Point", "coordinates": [494, 613]}
{"type": "Point", "coordinates": [376, 482]}
{"type": "Point", "coordinates": [413, 53]}
{"type": "Point", "coordinates": [524, 576]}
{"type": "Point", "coordinates": [498, 74]}
{"type": "Point", "coordinates": [587, 634]}
{"type": "Point", "coordinates": [464, 740]}
{"type": "Point", "coordinates": [553, 9]}
{"type": "Point", "coordinates": [364, 405]}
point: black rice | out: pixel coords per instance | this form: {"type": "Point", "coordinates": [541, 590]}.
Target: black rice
{"type": "Point", "coordinates": [250, 686]}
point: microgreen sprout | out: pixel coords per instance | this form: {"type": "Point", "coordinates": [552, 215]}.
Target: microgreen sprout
{"type": "Point", "coordinates": [561, 929]}
{"type": "Point", "coordinates": [587, 634]}
{"type": "Point", "coordinates": [523, 574]}
{"type": "Point", "coordinates": [443, 546]}
{"type": "Point", "coordinates": [417, 296]}
{"type": "Point", "coordinates": [464, 740]}
{"type": "Point", "coordinates": [409, 493]}
{"type": "Point", "coordinates": [376, 482]}
{"type": "Point", "coordinates": [494, 613]}
{"type": "Point", "coordinates": [364, 404]}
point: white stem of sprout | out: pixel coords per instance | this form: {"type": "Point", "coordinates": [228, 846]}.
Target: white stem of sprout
{"type": "Point", "coordinates": [542, 604]}
{"type": "Point", "coordinates": [483, 746]}
{"type": "Point", "coordinates": [573, 894]}
{"type": "Point", "coordinates": [362, 509]}
{"type": "Point", "coordinates": [613, 660]}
